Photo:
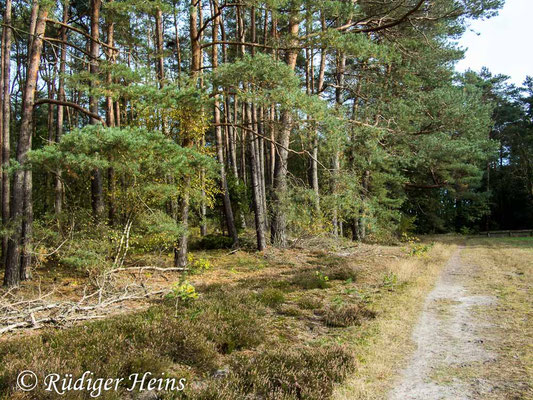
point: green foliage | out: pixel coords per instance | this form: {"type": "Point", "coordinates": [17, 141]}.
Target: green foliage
{"type": "Point", "coordinates": [197, 265]}
{"type": "Point", "coordinates": [156, 231]}
{"type": "Point", "coordinates": [406, 225]}
{"type": "Point", "coordinates": [390, 280]}
{"type": "Point", "coordinates": [183, 291]}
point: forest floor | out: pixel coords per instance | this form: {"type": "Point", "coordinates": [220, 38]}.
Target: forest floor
{"type": "Point", "coordinates": [325, 318]}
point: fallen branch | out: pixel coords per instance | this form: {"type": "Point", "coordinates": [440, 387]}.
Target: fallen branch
{"type": "Point", "coordinates": [148, 267]}
{"type": "Point", "coordinates": [22, 314]}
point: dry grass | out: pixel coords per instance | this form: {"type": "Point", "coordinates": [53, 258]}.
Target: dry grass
{"type": "Point", "coordinates": [387, 342]}
{"type": "Point", "coordinates": [504, 268]}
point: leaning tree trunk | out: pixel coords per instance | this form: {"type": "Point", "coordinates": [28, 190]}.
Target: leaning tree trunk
{"type": "Point", "coordinates": [21, 211]}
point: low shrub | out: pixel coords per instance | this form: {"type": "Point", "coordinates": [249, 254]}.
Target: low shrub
{"type": "Point", "coordinates": [311, 280]}
{"type": "Point", "coordinates": [182, 292]}
{"type": "Point", "coordinates": [289, 310]}
{"type": "Point", "coordinates": [197, 265]}
{"type": "Point", "coordinates": [309, 303]}
{"type": "Point", "coordinates": [151, 340]}
{"type": "Point", "coordinates": [225, 319]}
{"type": "Point", "coordinates": [342, 273]}
{"type": "Point", "coordinates": [298, 373]}
{"type": "Point", "coordinates": [346, 315]}
{"type": "Point", "coordinates": [271, 297]}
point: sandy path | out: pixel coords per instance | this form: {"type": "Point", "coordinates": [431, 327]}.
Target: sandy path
{"type": "Point", "coordinates": [447, 336]}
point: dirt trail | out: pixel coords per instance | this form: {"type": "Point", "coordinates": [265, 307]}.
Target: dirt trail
{"type": "Point", "coordinates": [447, 336]}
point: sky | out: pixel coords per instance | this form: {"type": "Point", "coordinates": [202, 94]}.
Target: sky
{"type": "Point", "coordinates": [502, 43]}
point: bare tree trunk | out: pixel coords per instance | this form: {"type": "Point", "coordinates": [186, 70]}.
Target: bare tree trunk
{"type": "Point", "coordinates": [361, 220]}
{"type": "Point", "coordinates": [203, 205]}
{"type": "Point", "coordinates": [256, 184]}
{"type": "Point", "coordinates": [180, 253]}
{"type": "Point", "coordinates": [58, 202]}
{"type": "Point", "coordinates": [341, 65]}
{"type": "Point", "coordinates": [319, 88]}
{"type": "Point", "coordinates": [6, 118]}
{"type": "Point", "coordinates": [51, 128]}
{"type": "Point", "coordinates": [232, 142]}
{"type": "Point", "coordinates": [261, 156]}
{"type": "Point", "coordinates": [228, 212]}
{"type": "Point", "coordinates": [111, 122]}
{"type": "Point", "coordinates": [96, 181]}
{"type": "Point", "coordinates": [159, 46]}
{"type": "Point", "coordinates": [21, 213]}
{"type": "Point", "coordinates": [280, 190]}
{"type": "Point", "coordinates": [177, 39]}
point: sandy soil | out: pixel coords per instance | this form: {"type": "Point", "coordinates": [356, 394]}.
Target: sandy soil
{"type": "Point", "coordinates": [447, 337]}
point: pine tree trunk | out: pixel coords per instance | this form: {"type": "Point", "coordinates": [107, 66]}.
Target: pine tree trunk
{"type": "Point", "coordinates": [341, 65]}
{"type": "Point", "coordinates": [180, 253]}
{"type": "Point", "coordinates": [21, 211]}
{"type": "Point", "coordinates": [96, 179]}
{"type": "Point", "coordinates": [232, 142]}
{"type": "Point", "coordinates": [361, 223]}
{"type": "Point", "coordinates": [228, 212]}
{"type": "Point", "coordinates": [280, 190]}
{"type": "Point", "coordinates": [110, 122]}
{"type": "Point", "coordinates": [256, 184]}
{"type": "Point", "coordinates": [58, 187]}
{"type": "Point", "coordinates": [314, 161]}
{"type": "Point", "coordinates": [6, 119]}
